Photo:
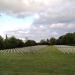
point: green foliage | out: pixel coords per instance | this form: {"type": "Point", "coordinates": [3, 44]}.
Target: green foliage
{"type": "Point", "coordinates": [52, 41]}
{"type": "Point", "coordinates": [1, 43]}
{"type": "Point", "coordinates": [20, 43]}
{"type": "Point", "coordinates": [30, 43]}
{"type": "Point", "coordinates": [43, 42]}
{"type": "Point", "coordinates": [11, 42]}
{"type": "Point", "coordinates": [15, 42]}
{"type": "Point", "coordinates": [67, 39]}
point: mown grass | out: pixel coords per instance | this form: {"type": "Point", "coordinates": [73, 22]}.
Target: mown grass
{"type": "Point", "coordinates": [47, 61]}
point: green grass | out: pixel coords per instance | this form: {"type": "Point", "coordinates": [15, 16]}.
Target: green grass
{"type": "Point", "coordinates": [47, 61]}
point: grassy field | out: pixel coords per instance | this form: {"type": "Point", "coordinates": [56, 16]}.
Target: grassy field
{"type": "Point", "coordinates": [47, 61]}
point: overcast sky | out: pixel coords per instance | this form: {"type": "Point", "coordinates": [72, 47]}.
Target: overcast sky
{"type": "Point", "coordinates": [36, 19]}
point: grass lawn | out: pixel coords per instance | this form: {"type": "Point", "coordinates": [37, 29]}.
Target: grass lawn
{"type": "Point", "coordinates": [47, 61]}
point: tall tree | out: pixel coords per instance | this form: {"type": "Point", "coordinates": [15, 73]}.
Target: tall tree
{"type": "Point", "coordinates": [1, 42]}
{"type": "Point", "coordinates": [52, 41]}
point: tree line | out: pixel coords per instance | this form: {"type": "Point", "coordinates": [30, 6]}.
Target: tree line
{"type": "Point", "coordinates": [12, 42]}
{"type": "Point", "coordinates": [67, 39]}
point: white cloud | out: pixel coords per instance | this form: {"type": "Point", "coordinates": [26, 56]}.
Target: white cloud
{"type": "Point", "coordinates": [36, 16]}
{"type": "Point", "coordinates": [58, 26]}
{"type": "Point", "coordinates": [49, 15]}
{"type": "Point", "coordinates": [71, 26]}
{"type": "Point", "coordinates": [30, 5]}
{"type": "Point", "coordinates": [51, 9]}
{"type": "Point", "coordinates": [62, 26]}
{"type": "Point", "coordinates": [14, 26]}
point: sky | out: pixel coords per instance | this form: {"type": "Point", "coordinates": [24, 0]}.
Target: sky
{"type": "Point", "coordinates": [36, 19]}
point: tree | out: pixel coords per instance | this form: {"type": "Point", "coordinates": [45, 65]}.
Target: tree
{"type": "Point", "coordinates": [52, 41]}
{"type": "Point", "coordinates": [67, 39]}
{"type": "Point", "coordinates": [30, 43]}
{"type": "Point", "coordinates": [43, 42]}
{"type": "Point", "coordinates": [1, 42]}
{"type": "Point", "coordinates": [6, 43]}
{"type": "Point", "coordinates": [20, 43]}
{"type": "Point", "coordinates": [12, 42]}
{"type": "Point", "coordinates": [48, 42]}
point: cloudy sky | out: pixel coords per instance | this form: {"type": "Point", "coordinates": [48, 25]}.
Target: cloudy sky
{"type": "Point", "coordinates": [36, 19]}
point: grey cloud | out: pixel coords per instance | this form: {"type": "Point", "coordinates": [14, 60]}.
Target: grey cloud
{"type": "Point", "coordinates": [39, 32]}
{"type": "Point", "coordinates": [61, 11]}
{"type": "Point", "coordinates": [20, 5]}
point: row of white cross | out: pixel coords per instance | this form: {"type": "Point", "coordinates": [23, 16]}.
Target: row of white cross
{"type": "Point", "coordinates": [32, 49]}
{"type": "Point", "coordinates": [66, 49]}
